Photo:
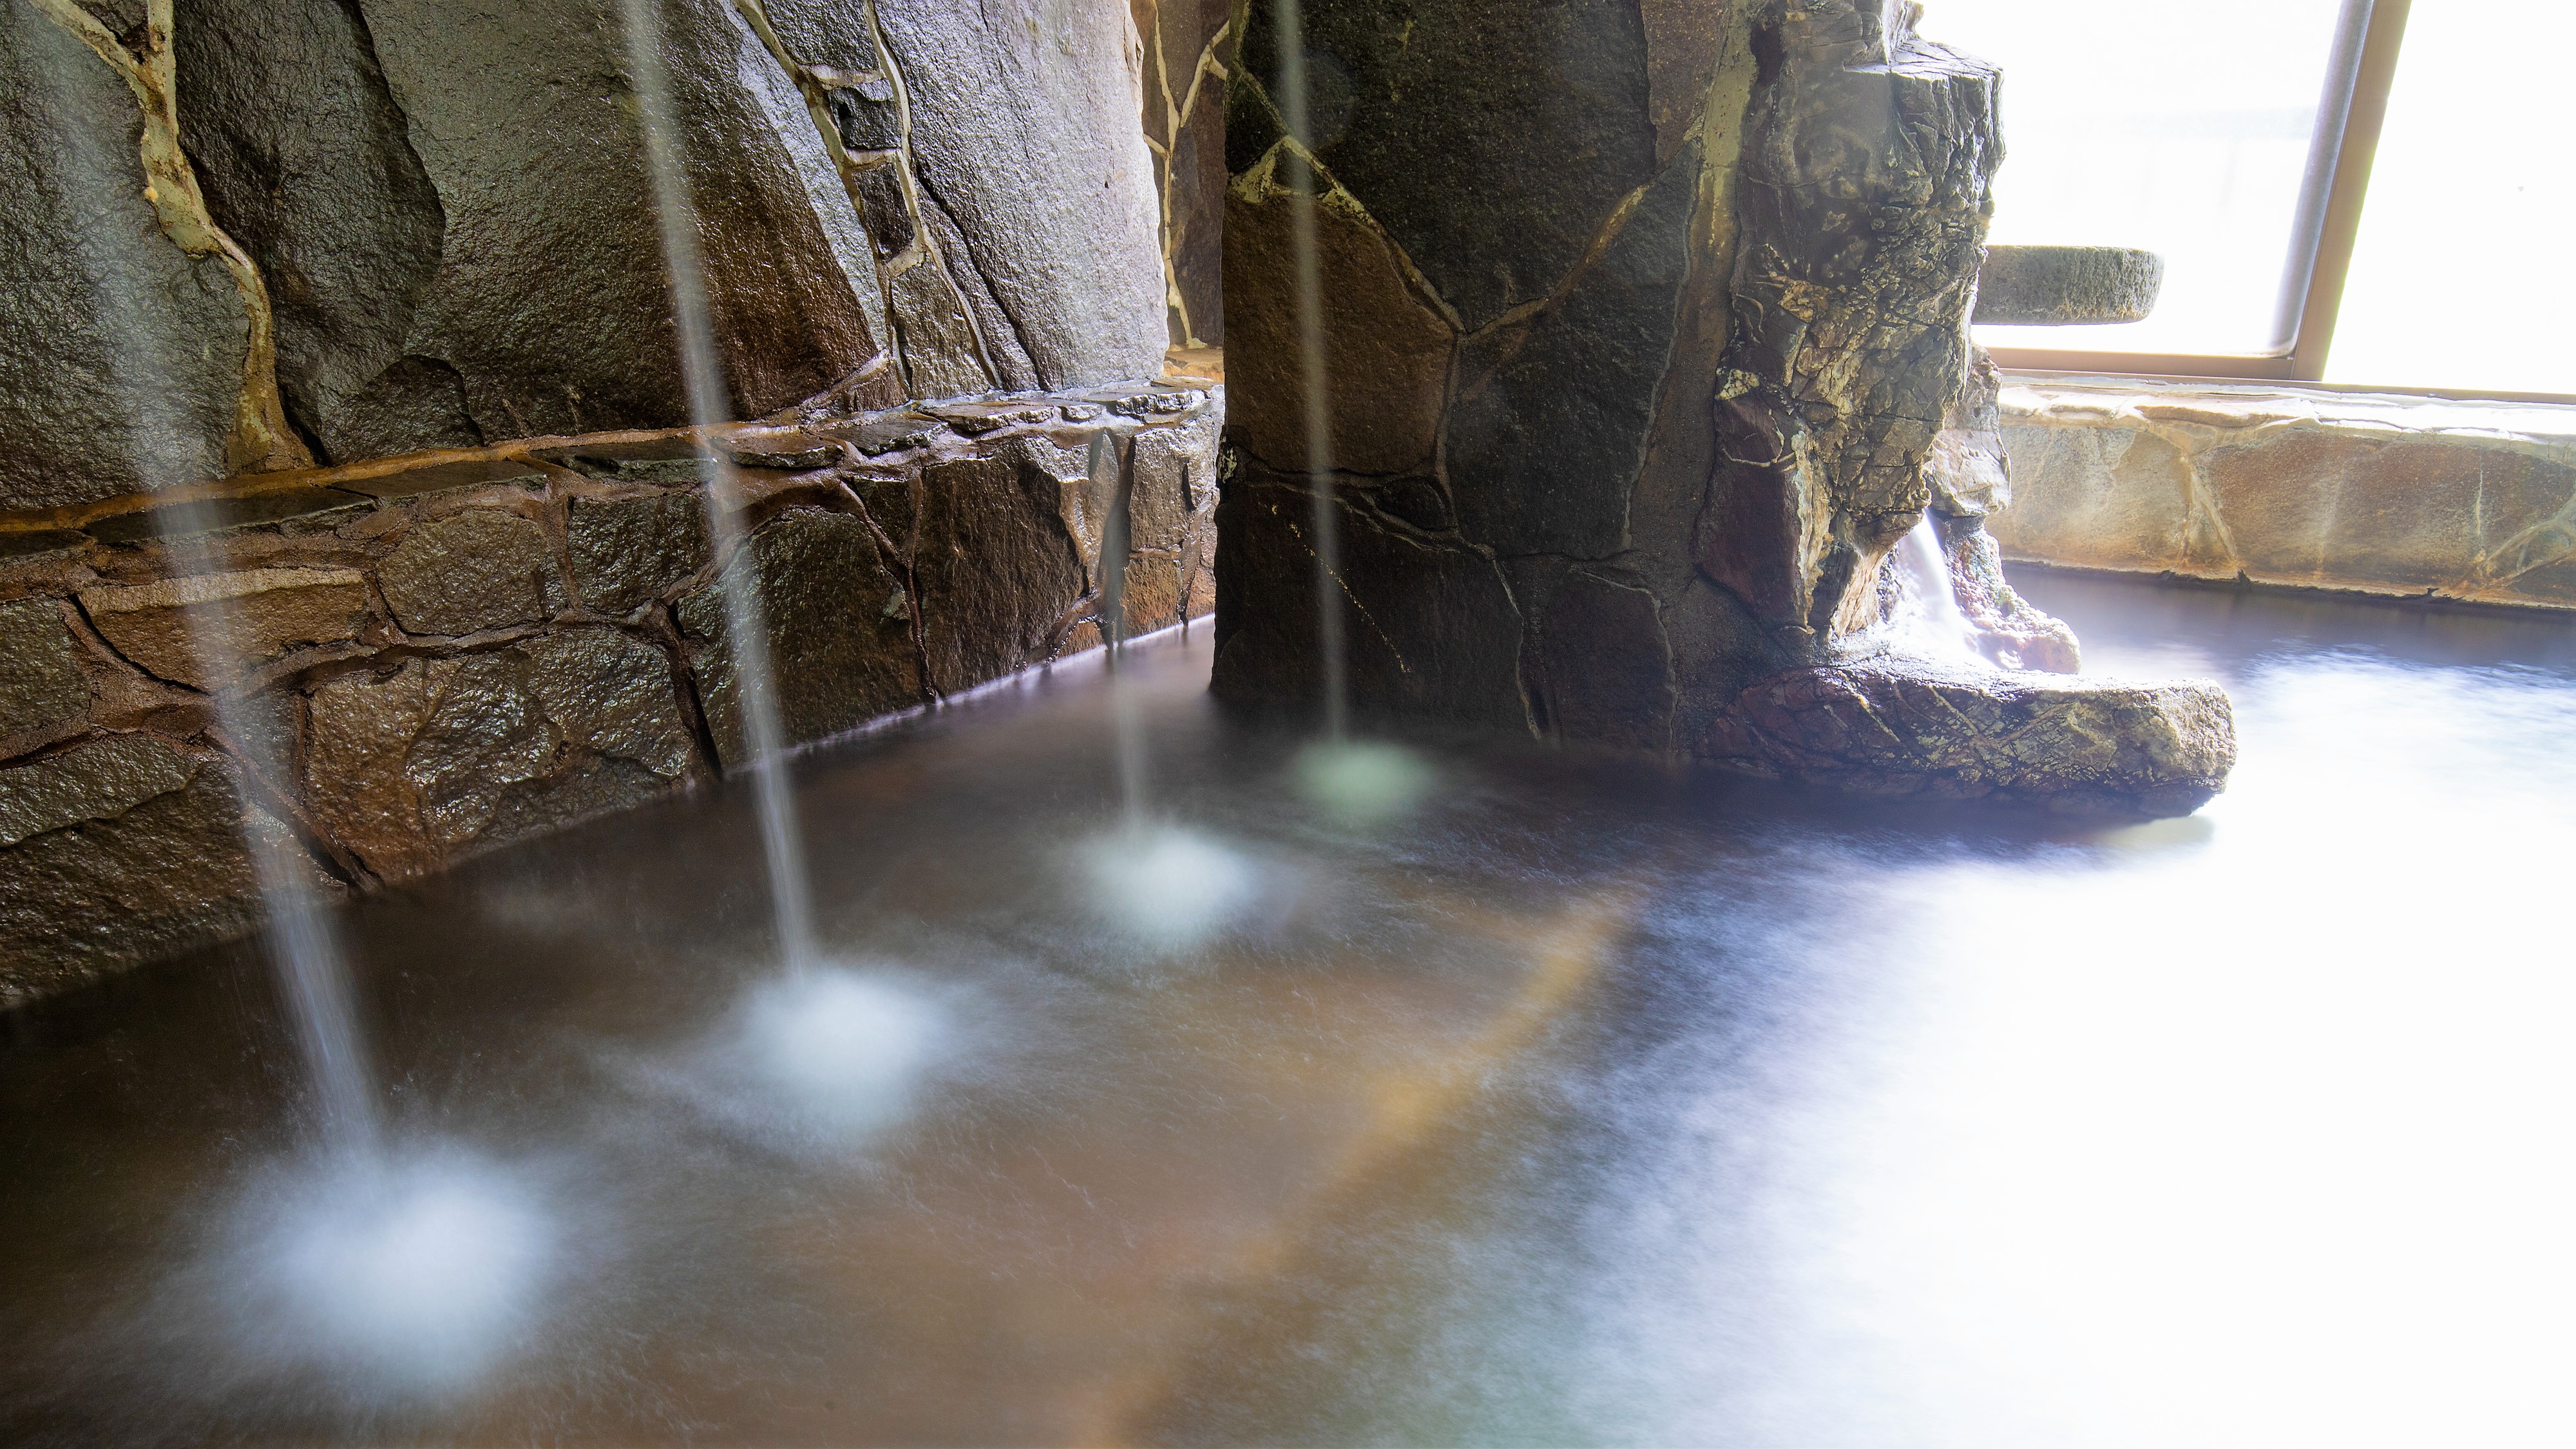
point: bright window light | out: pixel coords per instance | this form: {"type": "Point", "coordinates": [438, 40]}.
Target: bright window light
{"type": "Point", "coordinates": [2459, 277]}
{"type": "Point", "coordinates": [2183, 127]}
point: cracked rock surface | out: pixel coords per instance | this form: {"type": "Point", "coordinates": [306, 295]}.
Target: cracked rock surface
{"type": "Point", "coordinates": [1643, 340]}
{"type": "Point", "coordinates": [447, 654]}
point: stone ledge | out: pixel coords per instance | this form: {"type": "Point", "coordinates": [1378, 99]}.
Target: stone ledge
{"type": "Point", "coordinates": [2307, 488]}
{"type": "Point", "coordinates": [443, 653]}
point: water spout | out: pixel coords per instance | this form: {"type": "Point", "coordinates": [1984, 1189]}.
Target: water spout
{"type": "Point", "coordinates": [1926, 619]}
{"type": "Point", "coordinates": [1302, 184]}
{"type": "Point", "coordinates": [746, 622]}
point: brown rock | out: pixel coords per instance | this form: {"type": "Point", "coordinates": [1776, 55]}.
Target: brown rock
{"type": "Point", "coordinates": [470, 571]}
{"type": "Point", "coordinates": [998, 569]}
{"type": "Point", "coordinates": [117, 853]}
{"type": "Point", "coordinates": [205, 628]}
{"type": "Point", "coordinates": [41, 682]}
{"type": "Point", "coordinates": [446, 756]}
{"type": "Point", "coordinates": [628, 552]}
{"type": "Point", "coordinates": [1430, 628]}
{"type": "Point", "coordinates": [840, 637]}
{"type": "Point", "coordinates": [1909, 728]}
{"type": "Point", "coordinates": [1386, 353]}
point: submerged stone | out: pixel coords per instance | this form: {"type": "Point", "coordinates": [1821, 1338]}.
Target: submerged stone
{"type": "Point", "coordinates": [1915, 728]}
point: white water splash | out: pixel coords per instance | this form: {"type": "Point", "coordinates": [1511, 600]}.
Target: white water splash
{"type": "Point", "coordinates": [410, 1274]}
{"type": "Point", "coordinates": [1167, 887]}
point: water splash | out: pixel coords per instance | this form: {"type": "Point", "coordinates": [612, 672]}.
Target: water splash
{"type": "Point", "coordinates": [746, 623]}
{"type": "Point", "coordinates": [1926, 620]}
{"type": "Point", "coordinates": [1362, 783]}
{"type": "Point", "coordinates": [408, 1274]}
{"type": "Point", "coordinates": [1166, 887]}
{"type": "Point", "coordinates": [844, 1052]}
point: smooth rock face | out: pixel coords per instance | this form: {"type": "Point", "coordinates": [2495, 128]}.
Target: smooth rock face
{"type": "Point", "coordinates": [123, 355]}
{"type": "Point", "coordinates": [41, 682]}
{"type": "Point", "coordinates": [207, 628]}
{"type": "Point", "coordinates": [128, 831]}
{"type": "Point", "coordinates": [2059, 286]}
{"type": "Point", "coordinates": [448, 205]}
{"type": "Point", "coordinates": [302, 152]}
{"type": "Point", "coordinates": [471, 571]}
{"type": "Point", "coordinates": [1386, 352]}
{"type": "Point", "coordinates": [1024, 130]}
{"type": "Point", "coordinates": [1908, 728]}
{"type": "Point", "coordinates": [840, 635]}
{"type": "Point", "coordinates": [1431, 628]}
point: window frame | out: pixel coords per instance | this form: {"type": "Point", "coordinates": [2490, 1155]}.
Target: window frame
{"type": "Point", "coordinates": [2367, 42]}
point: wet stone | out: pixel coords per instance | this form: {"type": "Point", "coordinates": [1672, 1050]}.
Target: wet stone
{"type": "Point", "coordinates": [440, 477]}
{"type": "Point", "coordinates": [204, 628]}
{"type": "Point", "coordinates": [840, 646]}
{"type": "Point", "coordinates": [117, 853]}
{"type": "Point", "coordinates": [310, 508]}
{"type": "Point", "coordinates": [41, 682]}
{"type": "Point", "coordinates": [444, 756]}
{"type": "Point", "coordinates": [628, 552]}
{"type": "Point", "coordinates": [469, 572]}
{"type": "Point", "coordinates": [1913, 728]}
{"type": "Point", "coordinates": [997, 566]}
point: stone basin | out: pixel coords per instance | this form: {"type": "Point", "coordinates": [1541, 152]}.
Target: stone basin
{"type": "Point", "coordinates": [2067, 286]}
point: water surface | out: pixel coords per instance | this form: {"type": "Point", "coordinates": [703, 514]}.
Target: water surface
{"type": "Point", "coordinates": [1584, 1102]}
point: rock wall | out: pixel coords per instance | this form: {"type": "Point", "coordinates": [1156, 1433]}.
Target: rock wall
{"type": "Point", "coordinates": [2403, 496]}
{"type": "Point", "coordinates": [1638, 323]}
{"type": "Point", "coordinates": [453, 651]}
{"type": "Point", "coordinates": [1624, 351]}
{"type": "Point", "coordinates": [437, 210]}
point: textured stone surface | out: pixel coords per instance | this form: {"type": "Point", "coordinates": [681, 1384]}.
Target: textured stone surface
{"type": "Point", "coordinates": [2089, 747]}
{"type": "Point", "coordinates": [1490, 140]}
{"type": "Point", "coordinates": [304, 155]}
{"type": "Point", "coordinates": [1430, 627]}
{"type": "Point", "coordinates": [1703, 274]}
{"type": "Point", "coordinates": [554, 338]}
{"type": "Point", "coordinates": [627, 552]}
{"type": "Point", "coordinates": [403, 752]}
{"type": "Point", "coordinates": [123, 356]}
{"type": "Point", "coordinates": [1386, 352]}
{"type": "Point", "coordinates": [2058, 286]}
{"type": "Point", "coordinates": [115, 853]}
{"type": "Point", "coordinates": [471, 571]}
{"type": "Point", "coordinates": [206, 628]}
{"type": "Point", "coordinates": [998, 570]}
{"type": "Point", "coordinates": [40, 677]}
{"type": "Point", "coordinates": [412, 769]}
{"type": "Point", "coordinates": [1024, 131]}
{"type": "Point", "coordinates": [1865, 196]}
{"type": "Point", "coordinates": [2459, 500]}
{"type": "Point", "coordinates": [840, 638]}
{"type": "Point", "coordinates": [1549, 427]}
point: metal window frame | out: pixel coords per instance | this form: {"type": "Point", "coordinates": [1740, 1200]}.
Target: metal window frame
{"type": "Point", "coordinates": [2349, 116]}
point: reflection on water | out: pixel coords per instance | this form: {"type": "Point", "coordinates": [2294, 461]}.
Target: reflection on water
{"type": "Point", "coordinates": [1579, 1102]}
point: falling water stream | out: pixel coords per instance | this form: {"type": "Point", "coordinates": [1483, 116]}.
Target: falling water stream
{"type": "Point", "coordinates": [1927, 619]}
{"type": "Point", "coordinates": [764, 744]}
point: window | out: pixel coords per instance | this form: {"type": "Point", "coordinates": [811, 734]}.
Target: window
{"type": "Point", "coordinates": [2460, 274]}
{"type": "Point", "coordinates": [2305, 237]}
{"type": "Point", "coordinates": [2185, 127]}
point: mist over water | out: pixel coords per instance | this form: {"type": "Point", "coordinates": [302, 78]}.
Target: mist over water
{"type": "Point", "coordinates": [1581, 1103]}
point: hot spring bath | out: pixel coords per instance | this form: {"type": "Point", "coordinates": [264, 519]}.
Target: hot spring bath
{"type": "Point", "coordinates": [1442, 1095]}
